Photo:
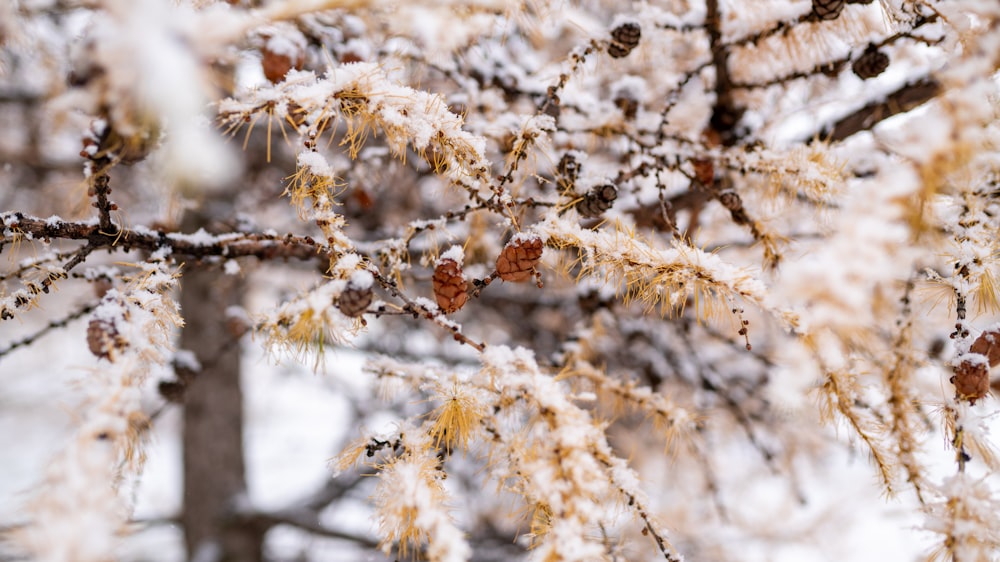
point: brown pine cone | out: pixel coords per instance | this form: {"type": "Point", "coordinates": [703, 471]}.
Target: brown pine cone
{"type": "Point", "coordinates": [277, 65]}
{"type": "Point", "coordinates": [354, 300]}
{"type": "Point", "coordinates": [597, 200]}
{"type": "Point", "coordinates": [871, 63]}
{"type": "Point", "coordinates": [103, 338]}
{"type": "Point", "coordinates": [569, 168]}
{"type": "Point", "coordinates": [731, 200]}
{"type": "Point", "coordinates": [704, 171]}
{"type": "Point", "coordinates": [519, 257]}
{"type": "Point", "coordinates": [627, 103]}
{"type": "Point", "coordinates": [281, 53]}
{"type": "Point", "coordinates": [988, 344]}
{"type": "Point", "coordinates": [971, 380]}
{"type": "Point", "coordinates": [450, 286]}
{"type": "Point", "coordinates": [172, 391]}
{"type": "Point", "coordinates": [827, 9]}
{"type": "Point", "coordinates": [624, 38]}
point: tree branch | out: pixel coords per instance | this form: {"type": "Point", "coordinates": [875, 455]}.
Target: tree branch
{"type": "Point", "coordinates": [906, 98]}
{"type": "Point", "coordinates": [726, 114]}
{"type": "Point", "coordinates": [261, 245]}
{"type": "Point", "coordinates": [307, 521]}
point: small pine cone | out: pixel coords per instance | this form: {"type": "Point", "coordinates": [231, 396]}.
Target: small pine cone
{"type": "Point", "coordinates": [628, 104]}
{"type": "Point", "coordinates": [276, 62]}
{"type": "Point", "coordinates": [354, 300]}
{"type": "Point", "coordinates": [871, 63]}
{"type": "Point", "coordinates": [172, 391]}
{"type": "Point", "coordinates": [624, 38]}
{"type": "Point", "coordinates": [827, 9]}
{"type": "Point", "coordinates": [731, 200]}
{"type": "Point", "coordinates": [597, 200]}
{"type": "Point", "coordinates": [704, 171]}
{"type": "Point", "coordinates": [103, 338]}
{"type": "Point", "coordinates": [518, 258]}
{"type": "Point", "coordinates": [296, 114]}
{"type": "Point", "coordinates": [450, 286]}
{"type": "Point", "coordinates": [569, 167]}
{"type": "Point", "coordinates": [102, 285]}
{"type": "Point", "coordinates": [988, 344]}
{"type": "Point", "coordinates": [971, 380]}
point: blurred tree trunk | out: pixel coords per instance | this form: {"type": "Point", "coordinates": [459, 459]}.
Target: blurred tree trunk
{"type": "Point", "coordinates": [214, 477]}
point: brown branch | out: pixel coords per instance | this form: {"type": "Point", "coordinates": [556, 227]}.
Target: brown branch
{"type": "Point", "coordinates": [726, 114]}
{"type": "Point", "coordinates": [906, 98]}
{"type": "Point", "coordinates": [835, 66]}
{"type": "Point", "coordinates": [781, 26]}
{"type": "Point", "coordinates": [259, 245]}
{"type": "Point", "coordinates": [418, 310]}
{"type": "Point", "coordinates": [302, 519]}
{"type": "Point", "coordinates": [100, 189]}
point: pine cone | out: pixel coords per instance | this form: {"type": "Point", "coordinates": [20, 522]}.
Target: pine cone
{"type": "Point", "coordinates": [279, 55]}
{"type": "Point", "coordinates": [597, 200]}
{"type": "Point", "coordinates": [172, 391]}
{"type": "Point", "coordinates": [827, 9]}
{"type": "Point", "coordinates": [628, 104]}
{"type": "Point", "coordinates": [731, 200]}
{"type": "Point", "coordinates": [354, 300]}
{"type": "Point", "coordinates": [971, 380]}
{"type": "Point", "coordinates": [450, 286]}
{"type": "Point", "coordinates": [988, 344]}
{"type": "Point", "coordinates": [624, 38]}
{"type": "Point", "coordinates": [518, 259]}
{"type": "Point", "coordinates": [704, 171]}
{"type": "Point", "coordinates": [871, 63]}
{"type": "Point", "coordinates": [103, 338]}
{"type": "Point", "coordinates": [569, 167]}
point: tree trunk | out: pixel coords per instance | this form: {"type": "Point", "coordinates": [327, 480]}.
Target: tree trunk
{"type": "Point", "coordinates": [214, 477]}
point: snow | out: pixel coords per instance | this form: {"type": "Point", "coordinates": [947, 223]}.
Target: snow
{"type": "Point", "coordinates": [455, 253]}
{"type": "Point", "coordinates": [315, 163]}
{"type": "Point", "coordinates": [835, 296]}
{"type": "Point", "coordinates": [361, 279]}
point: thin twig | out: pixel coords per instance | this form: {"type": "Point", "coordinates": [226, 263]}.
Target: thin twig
{"type": "Point", "coordinates": [52, 325]}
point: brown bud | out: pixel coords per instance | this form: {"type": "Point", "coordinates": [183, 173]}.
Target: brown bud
{"type": "Point", "coordinates": [102, 285]}
{"type": "Point", "coordinates": [450, 286]}
{"type": "Point", "coordinates": [354, 300]}
{"type": "Point", "coordinates": [103, 338]}
{"type": "Point", "coordinates": [988, 344]}
{"type": "Point", "coordinates": [518, 259]}
{"type": "Point", "coordinates": [627, 104]}
{"type": "Point", "coordinates": [971, 379]}
{"type": "Point", "coordinates": [624, 38]}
